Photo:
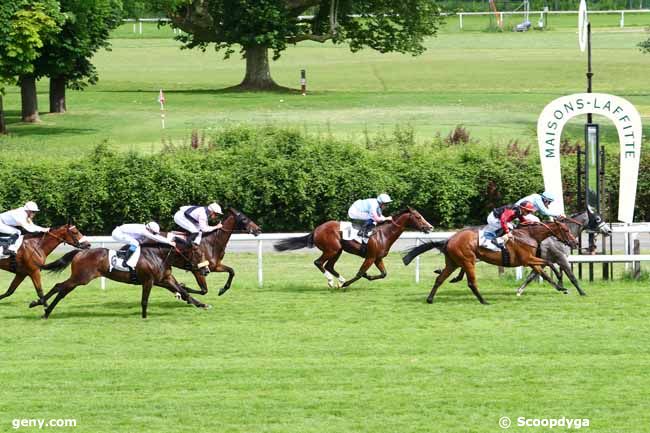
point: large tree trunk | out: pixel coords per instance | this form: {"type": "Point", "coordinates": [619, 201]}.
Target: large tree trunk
{"type": "Point", "coordinates": [258, 73]}
{"type": "Point", "coordinates": [57, 94]}
{"type": "Point", "coordinates": [29, 99]}
{"type": "Point", "coordinates": [3, 127]}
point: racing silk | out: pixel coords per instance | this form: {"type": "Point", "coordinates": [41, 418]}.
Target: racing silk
{"type": "Point", "coordinates": [140, 233]}
{"type": "Point", "coordinates": [538, 202]}
{"type": "Point", "coordinates": [199, 216]}
{"type": "Point", "coordinates": [507, 213]}
{"type": "Point", "coordinates": [18, 218]}
{"type": "Point", "coordinates": [371, 207]}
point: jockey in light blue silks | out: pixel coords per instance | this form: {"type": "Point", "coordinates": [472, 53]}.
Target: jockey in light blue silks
{"type": "Point", "coordinates": [541, 203]}
{"type": "Point", "coordinates": [20, 217]}
{"type": "Point", "coordinates": [368, 213]}
{"type": "Point", "coordinates": [134, 234]}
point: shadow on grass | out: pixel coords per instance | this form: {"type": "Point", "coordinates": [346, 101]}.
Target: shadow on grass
{"type": "Point", "coordinates": [234, 90]}
{"type": "Point", "coordinates": [18, 128]}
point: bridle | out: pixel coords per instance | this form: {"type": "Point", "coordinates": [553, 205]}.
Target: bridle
{"type": "Point", "coordinates": [76, 244]}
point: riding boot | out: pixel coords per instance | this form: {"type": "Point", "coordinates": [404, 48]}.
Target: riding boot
{"type": "Point", "coordinates": [366, 231]}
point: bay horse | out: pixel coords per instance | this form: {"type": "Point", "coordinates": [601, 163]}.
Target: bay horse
{"type": "Point", "coordinates": [32, 255]}
{"type": "Point", "coordinates": [153, 269]}
{"type": "Point", "coordinates": [327, 238]}
{"type": "Point", "coordinates": [462, 250]}
{"type": "Point", "coordinates": [213, 248]}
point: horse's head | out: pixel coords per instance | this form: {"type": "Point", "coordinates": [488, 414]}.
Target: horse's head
{"type": "Point", "coordinates": [563, 233]}
{"type": "Point", "coordinates": [417, 221]}
{"type": "Point", "coordinates": [245, 223]}
{"type": "Point", "coordinates": [597, 224]}
{"type": "Point", "coordinates": [71, 235]}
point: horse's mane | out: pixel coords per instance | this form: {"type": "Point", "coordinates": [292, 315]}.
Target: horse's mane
{"type": "Point", "coordinates": [401, 212]}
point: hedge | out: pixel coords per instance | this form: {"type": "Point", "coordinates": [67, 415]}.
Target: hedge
{"type": "Point", "coordinates": [286, 180]}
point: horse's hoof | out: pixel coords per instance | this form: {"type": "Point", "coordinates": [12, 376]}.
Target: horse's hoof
{"type": "Point", "coordinates": [178, 296]}
{"type": "Point", "coordinates": [223, 290]}
{"type": "Point", "coordinates": [207, 307]}
{"type": "Point", "coordinates": [429, 301]}
{"type": "Point", "coordinates": [44, 316]}
{"type": "Point", "coordinates": [34, 304]}
{"type": "Point", "coordinates": [331, 284]}
{"type": "Point", "coordinates": [518, 294]}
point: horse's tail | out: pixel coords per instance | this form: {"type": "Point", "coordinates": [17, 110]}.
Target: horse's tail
{"type": "Point", "coordinates": [412, 253]}
{"type": "Point", "coordinates": [59, 265]}
{"type": "Point", "coordinates": [295, 243]}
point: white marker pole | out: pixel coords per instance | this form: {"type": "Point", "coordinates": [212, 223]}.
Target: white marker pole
{"type": "Point", "coordinates": [161, 100]}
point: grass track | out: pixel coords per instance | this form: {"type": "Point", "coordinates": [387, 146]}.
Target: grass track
{"type": "Point", "coordinates": [298, 357]}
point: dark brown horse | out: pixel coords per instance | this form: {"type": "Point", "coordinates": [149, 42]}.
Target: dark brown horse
{"type": "Point", "coordinates": [213, 248]}
{"type": "Point", "coordinates": [462, 250]}
{"type": "Point", "coordinates": [153, 269]}
{"type": "Point", "coordinates": [327, 237]}
{"type": "Point", "coordinates": [32, 254]}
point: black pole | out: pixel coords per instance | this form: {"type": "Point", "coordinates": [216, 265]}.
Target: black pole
{"type": "Point", "coordinates": [589, 120]}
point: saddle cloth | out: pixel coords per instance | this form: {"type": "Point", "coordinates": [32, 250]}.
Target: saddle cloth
{"type": "Point", "coordinates": [116, 261]}
{"type": "Point", "coordinates": [349, 232]}
{"type": "Point", "coordinates": [5, 241]}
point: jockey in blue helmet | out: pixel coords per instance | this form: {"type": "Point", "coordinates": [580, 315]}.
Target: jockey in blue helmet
{"type": "Point", "coordinates": [369, 212]}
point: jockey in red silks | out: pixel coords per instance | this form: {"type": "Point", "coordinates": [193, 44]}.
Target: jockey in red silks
{"type": "Point", "coordinates": [500, 222]}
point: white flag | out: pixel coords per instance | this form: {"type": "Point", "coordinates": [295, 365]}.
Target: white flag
{"type": "Point", "coordinates": [583, 20]}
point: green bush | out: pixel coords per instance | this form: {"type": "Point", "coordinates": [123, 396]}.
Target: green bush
{"type": "Point", "coordinates": [288, 181]}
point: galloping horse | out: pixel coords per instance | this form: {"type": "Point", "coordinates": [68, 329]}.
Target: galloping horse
{"type": "Point", "coordinates": [462, 250]}
{"type": "Point", "coordinates": [153, 268]}
{"type": "Point", "coordinates": [213, 248]}
{"type": "Point", "coordinates": [327, 237]}
{"type": "Point", "coordinates": [32, 254]}
{"type": "Point", "coordinates": [557, 252]}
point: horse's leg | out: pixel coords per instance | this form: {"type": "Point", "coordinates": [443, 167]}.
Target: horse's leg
{"type": "Point", "coordinates": [231, 274]}
{"type": "Point", "coordinates": [362, 270]}
{"type": "Point", "coordinates": [170, 283]}
{"type": "Point", "coordinates": [566, 268]}
{"type": "Point", "coordinates": [470, 269]}
{"type": "Point", "coordinates": [146, 291]}
{"type": "Point", "coordinates": [382, 268]}
{"type": "Point", "coordinates": [329, 266]}
{"type": "Point", "coordinates": [450, 267]}
{"type": "Point", "coordinates": [62, 290]}
{"type": "Point", "coordinates": [539, 270]}
{"type": "Point", "coordinates": [531, 276]}
{"type": "Point", "coordinates": [458, 277]}
{"type": "Point", "coordinates": [320, 262]}
{"type": "Point", "coordinates": [18, 278]}
{"type": "Point", "coordinates": [36, 280]}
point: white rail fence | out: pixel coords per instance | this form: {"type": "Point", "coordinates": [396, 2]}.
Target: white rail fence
{"type": "Point", "coordinates": [630, 231]}
{"type": "Point", "coordinates": [137, 22]}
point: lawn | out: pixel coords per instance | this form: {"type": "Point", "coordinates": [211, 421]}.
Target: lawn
{"type": "Point", "coordinates": [495, 84]}
{"type": "Point", "coordinates": [296, 356]}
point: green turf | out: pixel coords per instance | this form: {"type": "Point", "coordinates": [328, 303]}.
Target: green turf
{"type": "Point", "coordinates": [496, 84]}
{"type": "Point", "coordinates": [296, 356]}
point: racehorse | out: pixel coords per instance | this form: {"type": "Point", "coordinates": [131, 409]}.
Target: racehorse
{"type": "Point", "coordinates": [554, 251]}
{"type": "Point", "coordinates": [213, 248]}
{"type": "Point", "coordinates": [327, 237]}
{"type": "Point", "coordinates": [462, 250]}
{"type": "Point", "coordinates": [557, 252]}
{"type": "Point", "coordinates": [32, 254]}
{"type": "Point", "coordinates": [153, 268]}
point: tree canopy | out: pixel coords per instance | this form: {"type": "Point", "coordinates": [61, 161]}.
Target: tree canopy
{"type": "Point", "coordinates": [256, 26]}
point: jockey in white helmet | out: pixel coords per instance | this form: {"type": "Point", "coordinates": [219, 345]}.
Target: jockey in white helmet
{"type": "Point", "coordinates": [195, 219]}
{"type": "Point", "coordinates": [369, 212]}
{"type": "Point", "coordinates": [19, 217]}
{"type": "Point", "coordinates": [541, 202]}
{"type": "Point", "coordinates": [134, 234]}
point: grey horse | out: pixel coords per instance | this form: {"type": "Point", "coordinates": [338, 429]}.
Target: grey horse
{"type": "Point", "coordinates": [554, 251]}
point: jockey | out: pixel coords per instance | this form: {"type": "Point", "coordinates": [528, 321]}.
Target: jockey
{"type": "Point", "coordinates": [541, 203]}
{"type": "Point", "coordinates": [368, 213]}
{"type": "Point", "coordinates": [134, 234]}
{"type": "Point", "coordinates": [195, 220]}
{"type": "Point", "coordinates": [499, 221]}
{"type": "Point", "coordinates": [20, 217]}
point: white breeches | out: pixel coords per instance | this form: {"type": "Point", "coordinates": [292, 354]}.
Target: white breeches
{"type": "Point", "coordinates": [120, 236]}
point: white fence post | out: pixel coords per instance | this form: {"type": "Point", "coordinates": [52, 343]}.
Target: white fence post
{"type": "Point", "coordinates": [140, 27]}
{"type": "Point", "coordinates": [102, 280]}
{"type": "Point", "coordinates": [460, 16]}
{"type": "Point", "coordinates": [519, 272]}
{"type": "Point", "coordinates": [622, 19]}
{"type": "Point", "coordinates": [260, 276]}
{"type": "Point", "coordinates": [417, 263]}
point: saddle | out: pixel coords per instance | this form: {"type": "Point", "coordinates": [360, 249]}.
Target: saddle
{"type": "Point", "coordinates": [117, 261]}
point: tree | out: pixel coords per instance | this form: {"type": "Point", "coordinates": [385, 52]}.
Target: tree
{"type": "Point", "coordinates": [645, 46]}
{"type": "Point", "coordinates": [257, 26]}
{"type": "Point", "coordinates": [66, 59]}
{"type": "Point", "coordinates": [24, 26]}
